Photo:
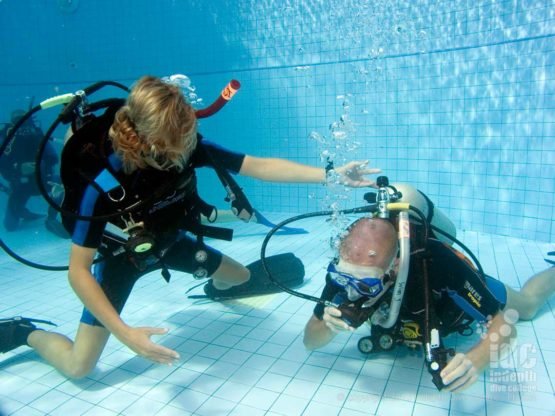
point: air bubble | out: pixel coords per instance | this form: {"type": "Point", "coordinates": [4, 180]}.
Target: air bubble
{"type": "Point", "coordinates": [316, 137]}
{"type": "Point", "coordinates": [182, 81]}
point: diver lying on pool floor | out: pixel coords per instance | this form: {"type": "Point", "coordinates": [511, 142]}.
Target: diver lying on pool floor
{"type": "Point", "coordinates": [149, 148]}
{"type": "Point", "coordinates": [366, 267]}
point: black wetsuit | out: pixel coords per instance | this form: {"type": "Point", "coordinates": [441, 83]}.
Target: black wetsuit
{"type": "Point", "coordinates": [17, 166]}
{"type": "Point", "coordinates": [166, 214]}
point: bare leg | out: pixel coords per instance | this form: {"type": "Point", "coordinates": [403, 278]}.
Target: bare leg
{"type": "Point", "coordinates": [533, 294]}
{"type": "Point", "coordinates": [230, 273]}
{"type": "Point", "coordinates": [73, 359]}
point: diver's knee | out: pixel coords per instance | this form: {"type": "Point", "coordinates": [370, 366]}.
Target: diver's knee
{"type": "Point", "coordinates": [527, 313]}
{"type": "Point", "coordinates": [79, 370]}
{"type": "Point", "coordinates": [243, 276]}
{"type": "Point", "coordinates": [229, 277]}
{"type": "Point", "coordinates": [526, 308]}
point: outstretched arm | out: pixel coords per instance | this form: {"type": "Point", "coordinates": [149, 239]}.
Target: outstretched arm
{"type": "Point", "coordinates": [93, 297]}
{"type": "Point", "coordinates": [464, 369]}
{"type": "Point", "coordinates": [282, 170]}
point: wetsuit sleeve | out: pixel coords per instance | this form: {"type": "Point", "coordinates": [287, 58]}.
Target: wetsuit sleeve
{"type": "Point", "coordinates": [231, 161]}
{"type": "Point", "coordinates": [92, 237]}
{"type": "Point", "coordinates": [328, 293]}
{"type": "Point", "coordinates": [87, 233]}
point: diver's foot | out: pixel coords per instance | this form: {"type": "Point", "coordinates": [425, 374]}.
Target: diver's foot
{"type": "Point", "coordinates": [27, 215]}
{"type": "Point", "coordinates": [14, 331]}
{"type": "Point", "coordinates": [56, 228]}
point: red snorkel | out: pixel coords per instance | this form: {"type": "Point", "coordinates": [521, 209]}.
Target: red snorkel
{"type": "Point", "coordinates": [227, 94]}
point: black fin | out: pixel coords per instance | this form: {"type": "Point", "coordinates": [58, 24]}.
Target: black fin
{"type": "Point", "coordinates": [14, 331]}
{"type": "Point", "coordinates": [285, 268]}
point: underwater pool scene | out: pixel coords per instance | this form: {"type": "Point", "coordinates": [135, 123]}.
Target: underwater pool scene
{"type": "Point", "coordinates": [455, 98]}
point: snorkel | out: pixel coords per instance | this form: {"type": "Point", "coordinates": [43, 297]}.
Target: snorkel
{"type": "Point", "coordinates": [225, 96]}
{"type": "Point", "coordinates": [76, 108]}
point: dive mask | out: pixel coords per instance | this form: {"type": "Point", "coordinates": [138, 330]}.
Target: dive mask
{"type": "Point", "coordinates": [369, 286]}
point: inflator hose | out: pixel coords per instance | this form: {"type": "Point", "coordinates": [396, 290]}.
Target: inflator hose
{"type": "Point", "coordinates": [71, 102]}
{"type": "Point", "coordinates": [363, 209]}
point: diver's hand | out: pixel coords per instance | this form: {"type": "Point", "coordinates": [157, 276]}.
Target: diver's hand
{"type": "Point", "coordinates": [352, 174]}
{"type": "Point", "coordinates": [460, 373]}
{"type": "Point", "coordinates": [332, 319]}
{"type": "Point", "coordinates": [138, 339]}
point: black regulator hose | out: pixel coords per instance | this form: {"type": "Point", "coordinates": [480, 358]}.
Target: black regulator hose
{"type": "Point", "coordinates": [363, 209]}
{"type": "Point", "coordinates": [465, 248]}
{"type": "Point", "coordinates": [73, 103]}
{"type": "Point", "coordinates": [7, 141]}
{"type": "Point", "coordinates": [11, 133]}
{"type": "Point", "coordinates": [371, 208]}
{"type": "Point", "coordinates": [67, 115]}
{"type": "Point", "coordinates": [454, 240]}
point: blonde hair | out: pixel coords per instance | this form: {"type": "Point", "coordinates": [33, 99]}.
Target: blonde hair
{"type": "Point", "coordinates": [156, 127]}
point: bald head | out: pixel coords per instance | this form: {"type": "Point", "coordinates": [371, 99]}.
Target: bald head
{"type": "Point", "coordinates": [370, 242]}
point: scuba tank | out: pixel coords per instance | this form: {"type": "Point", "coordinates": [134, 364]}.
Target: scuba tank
{"type": "Point", "coordinates": [79, 112]}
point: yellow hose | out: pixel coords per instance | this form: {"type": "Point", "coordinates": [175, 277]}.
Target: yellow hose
{"type": "Point", "coordinates": [398, 206]}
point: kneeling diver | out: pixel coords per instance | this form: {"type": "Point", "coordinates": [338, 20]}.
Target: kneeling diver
{"type": "Point", "coordinates": [148, 149]}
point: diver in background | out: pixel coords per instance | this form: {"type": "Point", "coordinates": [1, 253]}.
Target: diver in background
{"type": "Point", "coordinates": [17, 166]}
{"type": "Point", "coordinates": [153, 148]}
{"type": "Point", "coordinates": [366, 268]}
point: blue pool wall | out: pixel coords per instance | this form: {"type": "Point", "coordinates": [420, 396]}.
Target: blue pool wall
{"type": "Point", "coordinates": [455, 97]}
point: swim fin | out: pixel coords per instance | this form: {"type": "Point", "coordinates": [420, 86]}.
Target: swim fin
{"type": "Point", "coordinates": [14, 331]}
{"type": "Point", "coordinates": [286, 268]}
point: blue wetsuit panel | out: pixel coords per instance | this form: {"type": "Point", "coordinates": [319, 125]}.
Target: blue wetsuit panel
{"type": "Point", "coordinates": [498, 289]}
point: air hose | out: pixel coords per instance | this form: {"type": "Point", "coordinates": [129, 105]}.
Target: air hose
{"type": "Point", "coordinates": [73, 105]}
